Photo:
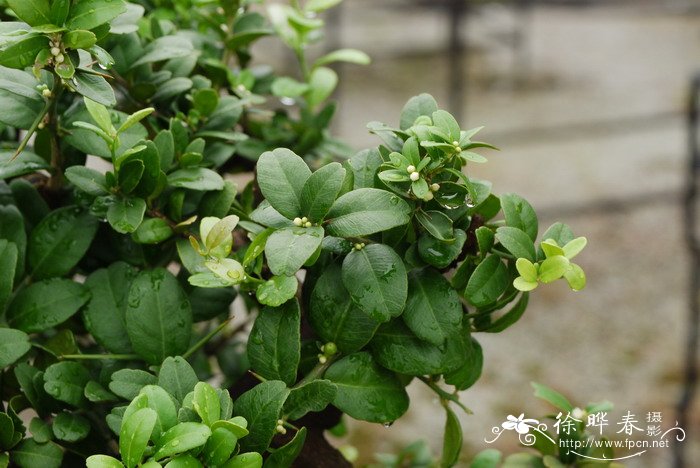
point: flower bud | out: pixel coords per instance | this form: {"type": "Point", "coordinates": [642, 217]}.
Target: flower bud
{"type": "Point", "coordinates": [59, 58]}
{"type": "Point", "coordinates": [411, 169]}
{"type": "Point", "coordinates": [329, 349]}
{"type": "Point", "coordinates": [414, 176]}
{"type": "Point", "coordinates": [455, 143]}
{"type": "Point", "coordinates": [46, 93]}
{"type": "Point", "coordinates": [304, 220]}
{"type": "Point", "coordinates": [297, 222]}
{"type": "Point", "coordinates": [428, 196]}
{"type": "Point", "coordinates": [55, 51]}
{"type": "Point", "coordinates": [434, 187]}
{"type": "Point", "coordinates": [322, 359]}
{"type": "Point", "coordinates": [308, 224]}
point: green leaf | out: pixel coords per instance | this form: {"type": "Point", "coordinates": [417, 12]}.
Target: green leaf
{"type": "Point", "coordinates": [320, 5]}
{"type": "Point", "coordinates": [88, 180]}
{"type": "Point", "coordinates": [376, 279]}
{"type": "Point", "coordinates": [206, 403]}
{"type": "Point", "coordinates": [574, 247]}
{"type": "Point", "coordinates": [526, 269]}
{"type": "Point", "coordinates": [488, 282]}
{"type": "Point", "coordinates": [105, 314]}
{"type": "Point", "coordinates": [551, 248]}
{"type": "Point", "coordinates": [196, 178]}
{"type": "Point", "coordinates": [310, 397]}
{"type": "Point", "coordinates": [130, 173]}
{"type": "Point", "coordinates": [277, 290]}
{"type": "Point", "coordinates": [335, 318]}
{"type": "Point", "coordinates": [126, 214]}
{"type": "Point", "coordinates": [166, 149]}
{"type": "Point", "coordinates": [575, 277]}
{"type": "Point", "coordinates": [423, 104]}
{"type": "Point", "coordinates": [158, 316]}
{"type": "Point", "coordinates": [65, 381]}
{"type": "Point", "coordinates": [152, 231]}
{"type": "Point", "coordinates": [365, 390]}
{"type": "Point", "coordinates": [182, 438]}
{"type": "Point", "coordinates": [103, 461]}
{"type": "Point", "coordinates": [245, 460]}
{"type": "Point", "coordinates": [517, 242]}
{"type": "Point", "coordinates": [134, 435]}
{"type": "Point", "coordinates": [438, 224]}
{"type": "Point", "coordinates": [396, 348]}
{"type": "Point", "coordinates": [320, 191]}
{"type": "Point", "coordinates": [289, 248]}
{"type": "Point", "coordinates": [96, 393]}
{"type": "Point", "coordinates": [485, 239]}
{"type": "Point", "coordinates": [205, 101]}
{"type": "Point", "coordinates": [274, 343]}
{"type": "Point", "coordinates": [344, 55]}
{"type": "Point", "coordinates": [553, 268]}
{"type": "Point", "coordinates": [70, 427]}
{"type": "Point", "coordinates": [30, 454]}
{"type": "Point", "coordinates": [88, 142]}
{"type": "Point", "coordinates": [489, 458]}
{"type": "Point", "coordinates": [94, 87]}
{"type": "Point", "coordinates": [13, 345]}
{"type": "Point", "coordinates": [364, 167]}
{"type": "Point", "coordinates": [19, 98]}
{"type": "Point", "coordinates": [45, 304]}
{"type": "Point", "coordinates": [433, 310]}
{"type": "Point", "coordinates": [32, 12]}
{"type": "Point", "coordinates": [510, 317]}
{"type": "Point", "coordinates": [89, 14]}
{"type": "Point", "coordinates": [445, 122]}
{"type": "Point", "coordinates": [165, 48]}
{"type": "Point", "coordinates": [40, 429]}
{"type": "Point", "coordinates": [25, 163]}
{"type": "Point", "coordinates": [162, 403]}
{"type": "Point", "coordinates": [79, 39]}
{"type": "Point", "coordinates": [281, 175]}
{"type": "Point", "coordinates": [366, 211]}
{"type": "Point", "coordinates": [12, 228]}
{"type": "Point", "coordinates": [127, 383]}
{"type": "Point", "coordinates": [288, 87]}
{"type": "Point", "coordinates": [552, 397]}
{"type": "Point", "coordinates": [172, 88]}
{"type": "Point", "coordinates": [469, 372]}
{"type": "Point", "coordinates": [8, 268]}
{"type": "Point", "coordinates": [284, 456]}
{"type": "Point", "coordinates": [219, 446]}
{"type": "Point", "coordinates": [322, 83]}
{"type": "Point", "coordinates": [177, 377]}
{"type": "Point", "coordinates": [519, 214]}
{"type": "Point", "coordinates": [452, 440]}
{"type": "Point", "coordinates": [441, 254]}
{"type": "Point", "coordinates": [22, 52]}
{"type": "Point", "coordinates": [59, 241]}
{"type": "Point", "coordinates": [261, 407]}
{"type": "Point", "coordinates": [135, 118]}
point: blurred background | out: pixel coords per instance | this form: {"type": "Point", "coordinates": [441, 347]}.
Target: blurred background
{"type": "Point", "coordinates": [588, 101]}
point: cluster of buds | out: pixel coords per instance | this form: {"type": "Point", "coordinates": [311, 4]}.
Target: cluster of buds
{"type": "Point", "coordinates": [57, 52]}
{"type": "Point", "coordinates": [359, 246]}
{"type": "Point", "coordinates": [302, 222]}
{"type": "Point", "coordinates": [413, 174]}
{"type": "Point", "coordinates": [457, 147]}
{"type": "Point", "coordinates": [44, 90]}
{"type": "Point", "coordinates": [280, 427]}
{"type": "Point", "coordinates": [327, 350]}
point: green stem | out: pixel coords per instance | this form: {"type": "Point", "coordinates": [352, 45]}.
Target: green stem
{"type": "Point", "coordinates": [317, 372]}
{"type": "Point", "coordinates": [445, 396]}
{"type": "Point", "coordinates": [56, 180]}
{"type": "Point", "coordinates": [206, 339]}
{"type": "Point", "coordinates": [94, 357]}
{"type": "Point", "coordinates": [32, 129]}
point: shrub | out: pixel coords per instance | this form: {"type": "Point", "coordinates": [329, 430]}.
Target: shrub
{"type": "Point", "coordinates": [355, 273]}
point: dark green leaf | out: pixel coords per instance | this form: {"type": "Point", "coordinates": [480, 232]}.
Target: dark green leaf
{"type": "Point", "coordinates": [25, 163]}
{"type": "Point", "coordinates": [165, 48]}
{"type": "Point", "coordinates": [488, 282]}
{"type": "Point", "coordinates": [433, 310]}
{"type": "Point", "coordinates": [281, 175]}
{"type": "Point", "coordinates": [92, 13]}
{"type": "Point", "coordinates": [364, 168]}
{"type": "Point", "coordinates": [517, 242]}
{"type": "Point", "coordinates": [519, 214]}
{"type": "Point", "coordinates": [22, 52]}
{"type": "Point", "coordinates": [126, 214]}
{"type": "Point", "coordinates": [452, 441]}
{"type": "Point", "coordinates": [20, 100]}
{"type": "Point", "coordinates": [510, 317]}
{"type": "Point", "coordinates": [88, 180]}
{"type": "Point", "coordinates": [438, 224]}
{"type": "Point", "coordinates": [65, 381]}
{"type": "Point", "coordinates": [311, 397]}
{"type": "Point", "coordinates": [289, 248]}
{"type": "Point", "coordinates": [45, 304]}
{"type": "Point", "coordinates": [335, 318]}
{"type": "Point", "coordinates": [59, 242]}
{"type": "Point", "coordinates": [365, 390]}
{"type": "Point", "coordinates": [376, 279]}
{"type": "Point", "coordinates": [284, 456]}
{"type": "Point", "coordinates": [158, 316]}
{"type": "Point", "coordinates": [94, 87]}
{"type": "Point", "coordinates": [366, 211]}
{"type": "Point", "coordinates": [274, 343]}
{"type": "Point", "coordinates": [320, 191]}
{"type": "Point", "coordinates": [261, 407]}
{"type": "Point", "coordinates": [30, 454]}
{"type": "Point", "coordinates": [40, 429]}
{"type": "Point", "coordinates": [79, 39]}
{"type": "Point", "coordinates": [12, 228]}
{"type": "Point", "coordinates": [177, 377]}
{"type": "Point", "coordinates": [396, 348]}
{"type": "Point", "coordinates": [441, 254]}
{"type": "Point", "coordinates": [8, 268]}
{"type": "Point", "coordinates": [13, 345]}
{"type": "Point", "coordinates": [127, 383]}
{"type": "Point", "coordinates": [469, 372]}
{"type": "Point", "coordinates": [70, 427]}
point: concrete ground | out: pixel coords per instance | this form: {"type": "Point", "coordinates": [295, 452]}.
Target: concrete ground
{"type": "Point", "coordinates": [591, 111]}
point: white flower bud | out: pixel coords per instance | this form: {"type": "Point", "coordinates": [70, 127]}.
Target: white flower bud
{"type": "Point", "coordinates": [434, 187]}
{"type": "Point", "coordinates": [59, 58]}
{"type": "Point", "coordinates": [304, 219]}
{"type": "Point", "coordinates": [414, 176]}
{"type": "Point", "coordinates": [297, 222]}
{"type": "Point", "coordinates": [411, 169]}
{"type": "Point", "coordinates": [46, 93]}
{"type": "Point", "coordinates": [308, 224]}
{"type": "Point", "coordinates": [322, 359]}
{"type": "Point", "coordinates": [455, 143]}
{"type": "Point", "coordinates": [55, 51]}
{"type": "Point", "coordinates": [281, 429]}
{"type": "Point", "coordinates": [428, 196]}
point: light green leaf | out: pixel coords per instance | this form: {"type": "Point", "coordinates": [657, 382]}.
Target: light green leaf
{"type": "Point", "coordinates": [206, 403]}
{"type": "Point", "coordinates": [322, 83]}
{"type": "Point", "coordinates": [134, 435]}
{"type": "Point", "coordinates": [177, 377]}
{"type": "Point", "coordinates": [344, 55]}
{"type": "Point", "coordinates": [519, 214]}
{"type": "Point", "coordinates": [552, 397]}
{"type": "Point", "coordinates": [421, 105]}
{"type": "Point", "coordinates": [182, 438]}
{"type": "Point", "coordinates": [574, 276]}
{"type": "Point", "coordinates": [288, 87]}
{"type": "Point", "coordinates": [219, 446]}
{"type": "Point", "coordinates": [526, 269]}
{"type": "Point", "coordinates": [281, 175]}
{"type": "Point", "coordinates": [127, 383]}
{"type": "Point", "coordinates": [574, 247]}
{"type": "Point", "coordinates": [103, 461]}
{"type": "Point", "coordinates": [277, 290]}
{"type": "Point", "coordinates": [93, 13]}
{"type": "Point", "coordinates": [553, 268]}
{"type": "Point", "coordinates": [320, 5]}
{"type": "Point", "coordinates": [445, 122]}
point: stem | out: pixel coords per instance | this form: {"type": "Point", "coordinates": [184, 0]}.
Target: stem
{"type": "Point", "coordinates": [94, 357]}
{"type": "Point", "coordinates": [32, 129]}
{"type": "Point", "coordinates": [56, 180]}
{"type": "Point", "coordinates": [206, 339]}
{"type": "Point", "coordinates": [301, 57]}
{"type": "Point", "coordinates": [445, 396]}
{"type": "Point", "coordinates": [317, 372]}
